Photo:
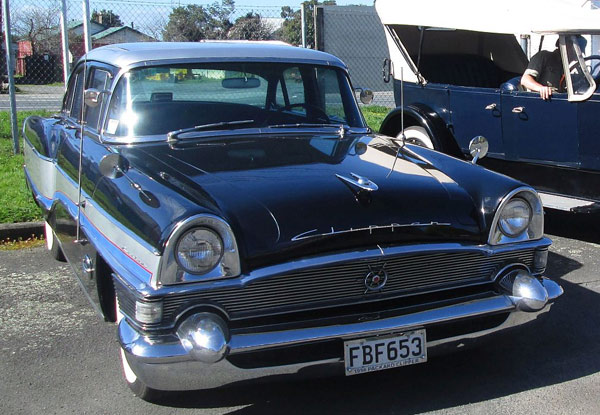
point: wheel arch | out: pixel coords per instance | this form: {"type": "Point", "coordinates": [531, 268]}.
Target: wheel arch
{"type": "Point", "coordinates": [106, 288]}
{"type": "Point", "coordinates": [422, 116]}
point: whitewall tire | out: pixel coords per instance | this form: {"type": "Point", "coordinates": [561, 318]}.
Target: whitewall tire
{"type": "Point", "coordinates": [52, 243]}
{"type": "Point", "coordinates": [418, 136]}
{"type": "Point", "coordinates": [139, 388]}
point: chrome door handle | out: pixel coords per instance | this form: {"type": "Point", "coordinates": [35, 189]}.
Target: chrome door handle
{"type": "Point", "coordinates": [491, 107]}
{"type": "Point", "coordinates": [518, 110]}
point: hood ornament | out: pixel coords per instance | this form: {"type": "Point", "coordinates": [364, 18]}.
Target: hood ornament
{"type": "Point", "coordinates": [359, 181]}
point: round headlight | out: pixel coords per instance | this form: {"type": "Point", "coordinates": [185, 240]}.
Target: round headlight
{"type": "Point", "coordinates": [515, 217]}
{"type": "Point", "coordinates": [199, 250]}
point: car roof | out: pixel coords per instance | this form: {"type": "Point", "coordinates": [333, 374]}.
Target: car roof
{"type": "Point", "coordinates": [130, 54]}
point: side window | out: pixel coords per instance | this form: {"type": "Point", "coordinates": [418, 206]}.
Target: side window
{"type": "Point", "coordinates": [99, 80]}
{"type": "Point", "coordinates": [291, 89]}
{"type": "Point", "coordinates": [77, 98]}
{"type": "Point", "coordinates": [330, 94]}
{"type": "Point", "coordinates": [68, 99]}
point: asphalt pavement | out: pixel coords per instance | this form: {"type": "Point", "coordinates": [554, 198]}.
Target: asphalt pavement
{"type": "Point", "coordinates": [58, 357]}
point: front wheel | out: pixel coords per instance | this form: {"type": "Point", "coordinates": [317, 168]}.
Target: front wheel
{"type": "Point", "coordinates": [418, 136]}
{"type": "Point", "coordinates": [139, 388]}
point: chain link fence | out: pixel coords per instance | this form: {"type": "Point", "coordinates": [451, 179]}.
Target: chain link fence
{"type": "Point", "coordinates": [356, 35]}
{"type": "Point", "coordinates": [37, 41]}
{"type": "Point", "coordinates": [40, 66]}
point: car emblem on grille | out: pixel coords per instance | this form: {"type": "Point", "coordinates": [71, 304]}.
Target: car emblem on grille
{"type": "Point", "coordinates": [375, 279]}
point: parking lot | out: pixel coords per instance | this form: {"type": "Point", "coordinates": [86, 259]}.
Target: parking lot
{"type": "Point", "coordinates": [58, 357]}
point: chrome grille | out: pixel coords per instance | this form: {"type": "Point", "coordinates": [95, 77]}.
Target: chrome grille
{"type": "Point", "coordinates": [343, 283]}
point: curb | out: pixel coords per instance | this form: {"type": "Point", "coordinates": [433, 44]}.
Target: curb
{"type": "Point", "coordinates": [24, 230]}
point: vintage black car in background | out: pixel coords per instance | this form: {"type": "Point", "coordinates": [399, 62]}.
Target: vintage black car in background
{"type": "Point", "coordinates": [227, 205]}
{"type": "Point", "coordinates": [462, 66]}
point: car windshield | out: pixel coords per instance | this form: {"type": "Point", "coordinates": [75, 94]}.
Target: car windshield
{"type": "Point", "coordinates": [582, 70]}
{"type": "Point", "coordinates": [156, 100]}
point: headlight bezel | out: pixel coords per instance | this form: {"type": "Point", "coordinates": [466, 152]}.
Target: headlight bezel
{"type": "Point", "coordinates": [171, 272]}
{"type": "Point", "coordinates": [535, 227]}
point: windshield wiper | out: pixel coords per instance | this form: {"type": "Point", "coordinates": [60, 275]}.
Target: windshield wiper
{"type": "Point", "coordinates": [341, 128]}
{"type": "Point", "coordinates": [173, 135]}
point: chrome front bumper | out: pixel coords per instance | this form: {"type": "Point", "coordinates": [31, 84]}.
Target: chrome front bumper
{"type": "Point", "coordinates": [162, 362]}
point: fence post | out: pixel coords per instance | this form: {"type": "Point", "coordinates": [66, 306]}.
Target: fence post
{"type": "Point", "coordinates": [319, 28]}
{"type": "Point", "coordinates": [11, 80]}
{"type": "Point", "coordinates": [303, 23]}
{"type": "Point", "coordinates": [86, 26]}
{"type": "Point", "coordinates": [65, 42]}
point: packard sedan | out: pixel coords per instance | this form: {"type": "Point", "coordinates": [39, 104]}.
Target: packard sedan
{"type": "Point", "coordinates": [227, 206]}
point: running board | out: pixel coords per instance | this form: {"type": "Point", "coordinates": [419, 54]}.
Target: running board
{"type": "Point", "coordinates": [568, 204]}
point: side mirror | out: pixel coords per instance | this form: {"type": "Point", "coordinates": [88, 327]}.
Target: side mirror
{"type": "Point", "coordinates": [92, 97]}
{"type": "Point", "coordinates": [478, 147]}
{"type": "Point", "coordinates": [113, 165]}
{"type": "Point", "coordinates": [366, 95]}
{"type": "Point", "coordinates": [387, 70]}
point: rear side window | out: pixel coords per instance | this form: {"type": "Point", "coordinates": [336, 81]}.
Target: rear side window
{"type": "Point", "coordinates": [73, 101]}
{"type": "Point", "coordinates": [98, 80]}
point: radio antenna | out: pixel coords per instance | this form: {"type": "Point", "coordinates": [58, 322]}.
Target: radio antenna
{"type": "Point", "coordinates": [401, 136]}
{"type": "Point", "coordinates": [78, 239]}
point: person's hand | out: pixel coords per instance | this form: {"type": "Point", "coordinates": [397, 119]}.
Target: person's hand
{"type": "Point", "coordinates": [545, 92]}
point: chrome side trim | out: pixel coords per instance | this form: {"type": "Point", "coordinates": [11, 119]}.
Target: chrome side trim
{"type": "Point", "coordinates": [137, 263]}
{"type": "Point", "coordinates": [40, 169]}
{"type": "Point", "coordinates": [143, 254]}
{"type": "Point", "coordinates": [43, 200]}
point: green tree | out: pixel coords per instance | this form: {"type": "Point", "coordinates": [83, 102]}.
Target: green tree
{"type": "Point", "coordinates": [250, 27]}
{"type": "Point", "coordinates": [106, 18]}
{"type": "Point", "coordinates": [192, 23]}
{"type": "Point", "coordinates": [291, 30]}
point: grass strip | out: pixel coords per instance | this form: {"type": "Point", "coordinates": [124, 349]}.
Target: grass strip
{"type": "Point", "coordinates": [16, 203]}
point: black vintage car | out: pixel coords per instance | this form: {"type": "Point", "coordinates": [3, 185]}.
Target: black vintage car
{"type": "Point", "coordinates": [227, 206]}
{"type": "Point", "coordinates": [457, 69]}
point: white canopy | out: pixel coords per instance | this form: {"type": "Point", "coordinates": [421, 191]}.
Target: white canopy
{"type": "Point", "coordinates": [494, 16]}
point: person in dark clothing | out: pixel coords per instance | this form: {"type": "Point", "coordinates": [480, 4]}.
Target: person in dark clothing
{"type": "Point", "coordinates": [544, 73]}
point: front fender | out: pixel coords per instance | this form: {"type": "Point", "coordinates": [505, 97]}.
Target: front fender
{"type": "Point", "coordinates": [423, 116]}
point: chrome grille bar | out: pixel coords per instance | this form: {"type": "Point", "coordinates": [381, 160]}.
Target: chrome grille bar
{"type": "Point", "coordinates": [344, 282]}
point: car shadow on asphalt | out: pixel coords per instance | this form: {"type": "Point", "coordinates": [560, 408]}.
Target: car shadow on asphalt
{"type": "Point", "coordinates": [558, 346]}
{"type": "Point", "coordinates": [581, 226]}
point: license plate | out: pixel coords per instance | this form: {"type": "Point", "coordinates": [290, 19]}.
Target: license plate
{"type": "Point", "coordinates": [378, 353]}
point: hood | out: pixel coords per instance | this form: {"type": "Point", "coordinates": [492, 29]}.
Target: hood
{"type": "Point", "coordinates": [294, 196]}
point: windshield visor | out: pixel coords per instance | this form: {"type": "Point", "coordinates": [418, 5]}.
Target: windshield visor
{"type": "Point", "coordinates": [156, 100]}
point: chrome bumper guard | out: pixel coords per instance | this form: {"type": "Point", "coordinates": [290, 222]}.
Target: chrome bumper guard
{"type": "Point", "coordinates": [168, 362]}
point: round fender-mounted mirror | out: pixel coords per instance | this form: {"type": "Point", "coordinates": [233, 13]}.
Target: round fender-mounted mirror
{"type": "Point", "coordinates": [113, 166]}
{"type": "Point", "coordinates": [366, 96]}
{"type": "Point", "coordinates": [478, 147]}
{"type": "Point", "coordinates": [360, 148]}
